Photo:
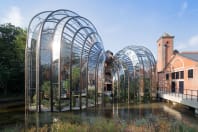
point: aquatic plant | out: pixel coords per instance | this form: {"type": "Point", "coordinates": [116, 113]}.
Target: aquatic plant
{"type": "Point", "coordinates": [114, 125]}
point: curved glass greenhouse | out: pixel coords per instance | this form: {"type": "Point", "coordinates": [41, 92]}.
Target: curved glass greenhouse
{"type": "Point", "coordinates": [67, 68]}
{"type": "Point", "coordinates": [64, 62]}
{"type": "Point", "coordinates": [134, 74]}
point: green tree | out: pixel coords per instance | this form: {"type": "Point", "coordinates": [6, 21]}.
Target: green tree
{"type": "Point", "coordinates": [12, 50]}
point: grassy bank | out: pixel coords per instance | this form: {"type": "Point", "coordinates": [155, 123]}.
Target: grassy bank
{"type": "Point", "coordinates": [109, 125]}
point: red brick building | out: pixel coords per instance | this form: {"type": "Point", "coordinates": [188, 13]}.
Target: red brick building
{"type": "Point", "coordinates": [177, 72]}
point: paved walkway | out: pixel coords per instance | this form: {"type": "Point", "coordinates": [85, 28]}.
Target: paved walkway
{"type": "Point", "coordinates": [187, 100]}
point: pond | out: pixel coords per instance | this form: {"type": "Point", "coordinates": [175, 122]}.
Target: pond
{"type": "Point", "coordinates": [126, 114]}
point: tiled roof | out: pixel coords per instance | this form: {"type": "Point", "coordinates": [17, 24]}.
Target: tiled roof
{"type": "Point", "coordinates": [190, 55]}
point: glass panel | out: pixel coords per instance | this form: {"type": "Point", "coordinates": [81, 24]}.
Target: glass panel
{"type": "Point", "coordinates": [177, 75]}
{"type": "Point", "coordinates": [32, 75]}
{"type": "Point", "coordinates": [31, 67]}
{"type": "Point", "coordinates": [100, 80]}
{"type": "Point", "coordinates": [45, 68]}
{"type": "Point", "coordinates": [115, 86]}
{"type": "Point", "coordinates": [75, 87]}
{"type": "Point", "coordinates": [91, 87]}
{"type": "Point", "coordinates": [121, 86]}
{"type": "Point", "coordinates": [190, 73]}
{"type": "Point", "coordinates": [173, 75]}
{"type": "Point", "coordinates": [83, 85]}
{"type": "Point", "coordinates": [181, 74]}
{"type": "Point", "coordinates": [65, 75]}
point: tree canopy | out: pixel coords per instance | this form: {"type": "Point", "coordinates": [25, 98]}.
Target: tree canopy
{"type": "Point", "coordinates": [12, 53]}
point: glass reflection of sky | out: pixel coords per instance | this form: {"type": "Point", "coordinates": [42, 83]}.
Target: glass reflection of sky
{"type": "Point", "coordinates": [56, 47]}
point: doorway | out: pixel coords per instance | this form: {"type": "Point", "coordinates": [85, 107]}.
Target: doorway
{"type": "Point", "coordinates": [173, 87]}
{"type": "Point", "coordinates": [181, 87]}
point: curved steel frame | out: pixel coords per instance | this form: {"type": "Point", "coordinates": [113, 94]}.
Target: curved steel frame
{"type": "Point", "coordinates": [64, 59]}
{"type": "Point", "coordinates": [64, 65]}
{"type": "Point", "coordinates": [139, 72]}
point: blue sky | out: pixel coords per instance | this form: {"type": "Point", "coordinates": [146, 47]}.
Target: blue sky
{"type": "Point", "coordinates": [120, 22]}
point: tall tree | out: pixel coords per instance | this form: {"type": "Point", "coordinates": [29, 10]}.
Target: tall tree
{"type": "Point", "coordinates": [12, 50]}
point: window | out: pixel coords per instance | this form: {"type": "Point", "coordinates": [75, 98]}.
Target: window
{"type": "Point", "coordinates": [173, 75]}
{"type": "Point", "coordinates": [167, 76]}
{"type": "Point", "coordinates": [181, 74]}
{"type": "Point", "coordinates": [177, 75]}
{"type": "Point", "coordinates": [190, 73]}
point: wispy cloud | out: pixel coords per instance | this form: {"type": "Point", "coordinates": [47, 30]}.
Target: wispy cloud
{"type": "Point", "coordinates": [13, 16]}
{"type": "Point", "coordinates": [190, 44]}
{"type": "Point", "coordinates": [183, 8]}
{"type": "Point", "coordinates": [193, 41]}
{"type": "Point", "coordinates": [180, 46]}
{"type": "Point", "coordinates": [184, 5]}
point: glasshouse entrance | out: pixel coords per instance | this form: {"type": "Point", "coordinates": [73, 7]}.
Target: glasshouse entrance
{"type": "Point", "coordinates": [67, 68]}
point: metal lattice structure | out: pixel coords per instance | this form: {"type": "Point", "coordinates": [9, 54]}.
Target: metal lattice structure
{"type": "Point", "coordinates": [134, 74]}
{"type": "Point", "coordinates": [64, 62]}
{"type": "Point", "coordinates": [65, 66]}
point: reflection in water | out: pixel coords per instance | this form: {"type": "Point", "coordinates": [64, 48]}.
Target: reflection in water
{"type": "Point", "coordinates": [172, 112]}
{"type": "Point", "coordinates": [128, 113]}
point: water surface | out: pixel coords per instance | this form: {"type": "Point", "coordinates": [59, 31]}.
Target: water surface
{"type": "Point", "coordinates": [123, 112]}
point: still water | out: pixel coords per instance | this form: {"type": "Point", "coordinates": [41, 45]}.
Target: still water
{"type": "Point", "coordinates": [127, 113]}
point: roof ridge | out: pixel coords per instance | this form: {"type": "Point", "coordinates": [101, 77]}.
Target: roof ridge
{"type": "Point", "coordinates": [189, 52]}
{"type": "Point", "coordinates": [194, 58]}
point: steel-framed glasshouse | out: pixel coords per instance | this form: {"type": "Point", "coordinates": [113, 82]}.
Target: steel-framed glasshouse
{"type": "Point", "coordinates": [64, 62]}
{"type": "Point", "coordinates": [65, 65]}
{"type": "Point", "coordinates": [134, 74]}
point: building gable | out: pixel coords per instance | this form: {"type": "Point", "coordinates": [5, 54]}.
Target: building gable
{"type": "Point", "coordinates": [179, 61]}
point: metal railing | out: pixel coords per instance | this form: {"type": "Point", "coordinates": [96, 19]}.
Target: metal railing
{"type": "Point", "coordinates": [185, 94]}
